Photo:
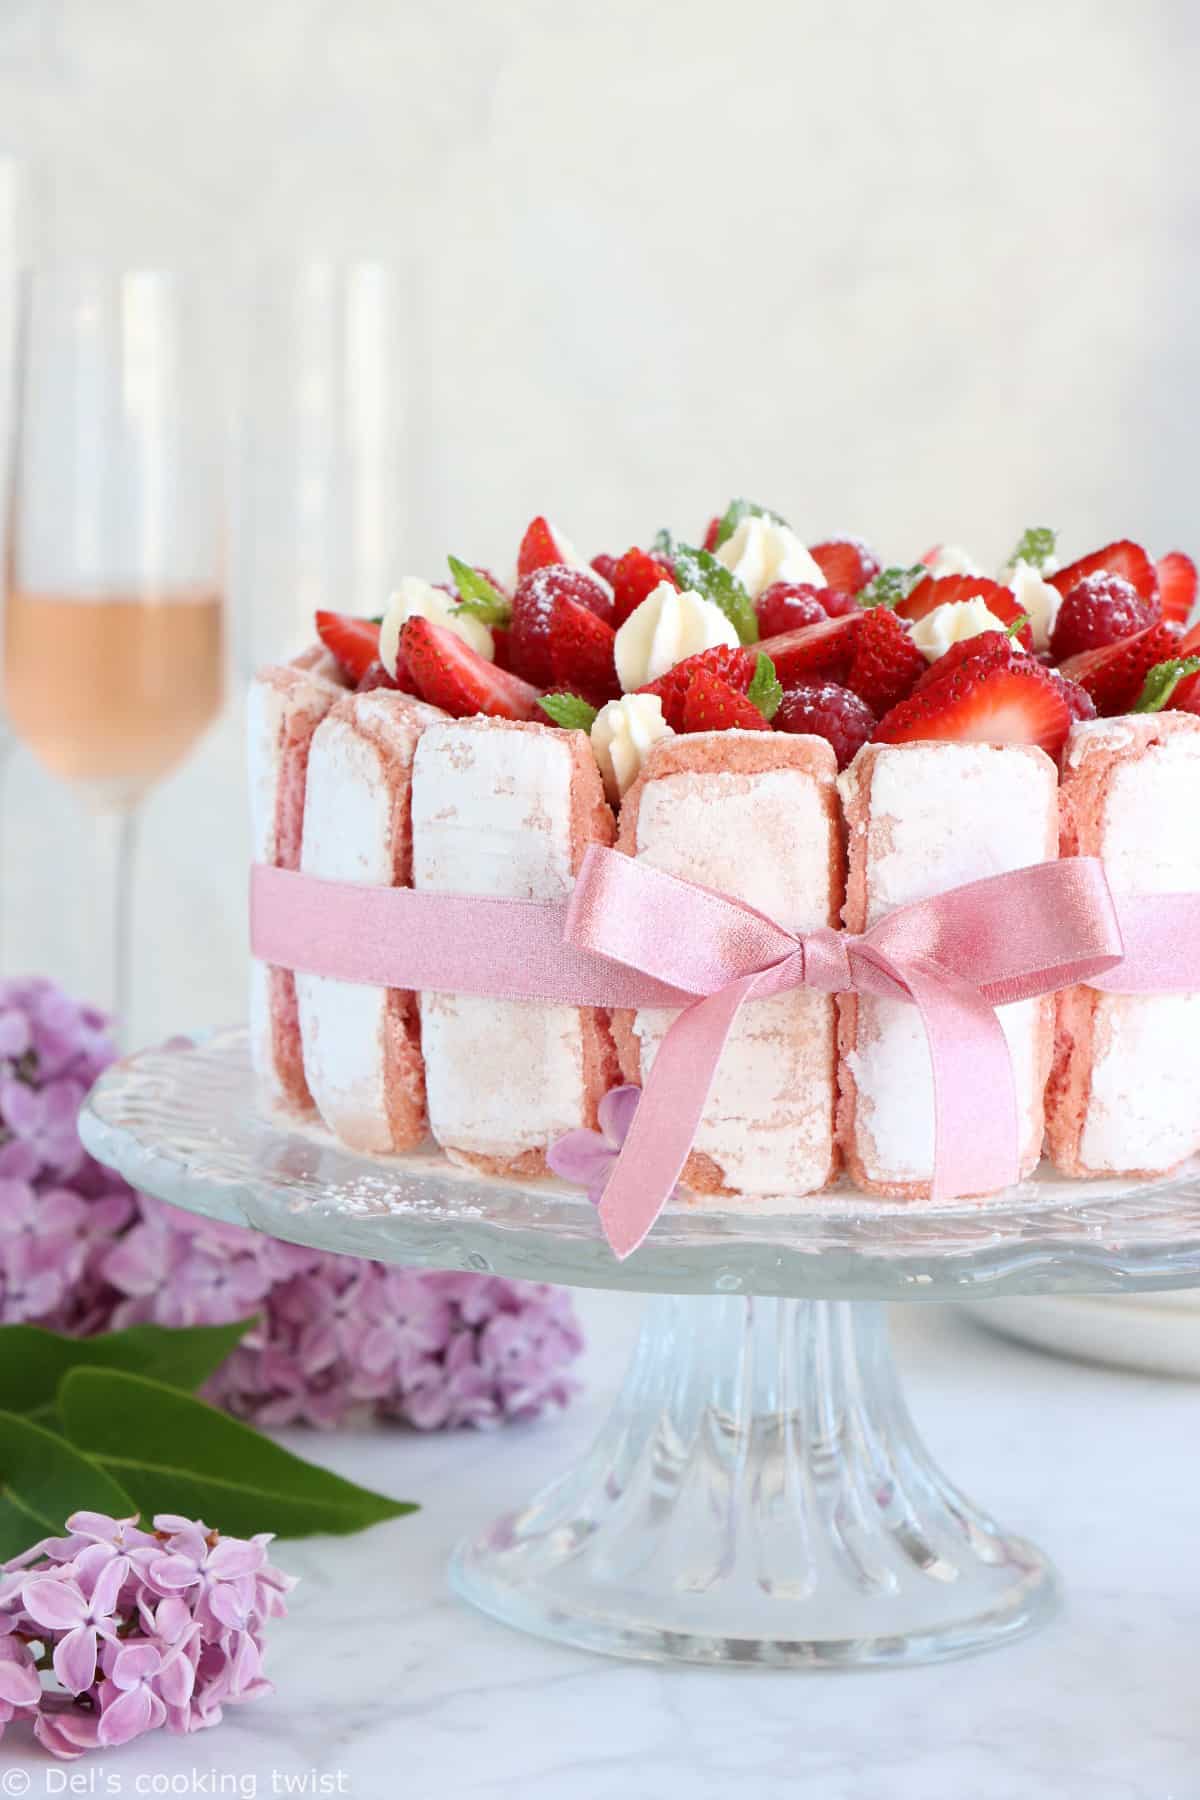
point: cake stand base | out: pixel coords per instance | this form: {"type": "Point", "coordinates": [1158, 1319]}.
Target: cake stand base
{"type": "Point", "coordinates": [759, 1496]}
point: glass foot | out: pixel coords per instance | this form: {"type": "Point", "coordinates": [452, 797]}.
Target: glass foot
{"type": "Point", "coordinates": [759, 1496]}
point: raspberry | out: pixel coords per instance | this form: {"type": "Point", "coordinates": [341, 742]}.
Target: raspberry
{"type": "Point", "coordinates": [1099, 610]}
{"type": "Point", "coordinates": [826, 710]}
{"type": "Point", "coordinates": [1080, 704]}
{"type": "Point", "coordinates": [605, 566]}
{"type": "Point", "coordinates": [837, 602]}
{"type": "Point", "coordinates": [786, 605]}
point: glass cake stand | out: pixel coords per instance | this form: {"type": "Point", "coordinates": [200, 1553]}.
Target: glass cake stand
{"type": "Point", "coordinates": [759, 1494]}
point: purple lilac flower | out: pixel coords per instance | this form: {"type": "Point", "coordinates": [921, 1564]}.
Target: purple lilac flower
{"type": "Point", "coordinates": [143, 1629]}
{"type": "Point", "coordinates": [586, 1158]}
{"type": "Point", "coordinates": [81, 1252]}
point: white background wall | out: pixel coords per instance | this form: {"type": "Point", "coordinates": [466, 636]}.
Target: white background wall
{"type": "Point", "coordinates": [922, 270]}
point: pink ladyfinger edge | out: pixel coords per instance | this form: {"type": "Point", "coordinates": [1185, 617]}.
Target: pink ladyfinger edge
{"type": "Point", "coordinates": [591, 821]}
{"type": "Point", "coordinates": [1083, 802]}
{"type": "Point", "coordinates": [851, 1135]}
{"type": "Point", "coordinates": [404, 1066]}
{"type": "Point", "coordinates": [736, 753]}
{"type": "Point", "coordinates": [308, 695]}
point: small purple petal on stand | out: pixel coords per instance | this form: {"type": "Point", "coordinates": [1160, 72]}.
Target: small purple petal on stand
{"type": "Point", "coordinates": [615, 1113]}
{"type": "Point", "coordinates": [581, 1157]}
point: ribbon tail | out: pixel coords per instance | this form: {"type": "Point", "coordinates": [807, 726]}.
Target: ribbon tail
{"type": "Point", "coordinates": [668, 1116]}
{"type": "Point", "coordinates": [976, 1122]}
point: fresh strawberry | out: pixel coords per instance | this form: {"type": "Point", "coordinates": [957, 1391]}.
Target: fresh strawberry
{"type": "Point", "coordinates": [502, 646]}
{"type": "Point", "coordinates": [815, 652]}
{"type": "Point", "coordinates": [449, 674]}
{"type": "Point", "coordinates": [823, 709]}
{"type": "Point", "coordinates": [997, 646]}
{"type": "Point", "coordinates": [1113, 675]}
{"type": "Point", "coordinates": [886, 664]}
{"type": "Point", "coordinates": [539, 548]}
{"type": "Point", "coordinates": [581, 654]}
{"type": "Point", "coordinates": [1176, 586]}
{"type": "Point", "coordinates": [536, 609]}
{"type": "Point", "coordinates": [1122, 558]}
{"type": "Point", "coordinates": [734, 666]}
{"type": "Point", "coordinates": [1100, 609]}
{"type": "Point", "coordinates": [983, 702]}
{"type": "Point", "coordinates": [846, 563]}
{"type": "Point", "coordinates": [1189, 644]}
{"type": "Point", "coordinates": [711, 704]}
{"type": "Point", "coordinates": [355, 642]}
{"type": "Point", "coordinates": [711, 534]}
{"type": "Point", "coordinates": [949, 590]}
{"type": "Point", "coordinates": [636, 575]}
{"type": "Point", "coordinates": [378, 677]}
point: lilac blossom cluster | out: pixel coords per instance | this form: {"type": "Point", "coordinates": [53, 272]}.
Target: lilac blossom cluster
{"type": "Point", "coordinates": [81, 1252]}
{"type": "Point", "coordinates": [133, 1630]}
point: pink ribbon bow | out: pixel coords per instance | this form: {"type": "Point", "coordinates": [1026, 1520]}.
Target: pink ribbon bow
{"type": "Point", "coordinates": [956, 956]}
{"type": "Point", "coordinates": [631, 936]}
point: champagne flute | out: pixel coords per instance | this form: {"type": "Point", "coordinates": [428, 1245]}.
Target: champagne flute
{"type": "Point", "coordinates": [113, 656]}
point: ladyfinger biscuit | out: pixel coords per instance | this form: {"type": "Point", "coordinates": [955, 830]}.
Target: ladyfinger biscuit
{"type": "Point", "coordinates": [362, 1047]}
{"type": "Point", "coordinates": [508, 809]}
{"type": "Point", "coordinates": [1124, 1097]}
{"type": "Point", "coordinates": [754, 815]}
{"type": "Point", "coordinates": [284, 706]}
{"type": "Point", "coordinates": [923, 818]}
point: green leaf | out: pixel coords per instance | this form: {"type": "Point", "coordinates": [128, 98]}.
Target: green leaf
{"type": "Point", "coordinates": [736, 511]}
{"type": "Point", "coordinates": [1162, 680]}
{"type": "Point", "coordinates": [664, 543]}
{"type": "Point", "coordinates": [891, 586]}
{"type": "Point", "coordinates": [765, 688]}
{"type": "Point", "coordinates": [43, 1480]}
{"type": "Point", "coordinates": [477, 596]}
{"type": "Point", "coordinates": [569, 710]}
{"type": "Point", "coordinates": [1035, 548]}
{"type": "Point", "coordinates": [33, 1361]}
{"type": "Point", "coordinates": [175, 1454]}
{"type": "Point", "coordinates": [700, 571]}
{"type": "Point", "coordinates": [1018, 625]}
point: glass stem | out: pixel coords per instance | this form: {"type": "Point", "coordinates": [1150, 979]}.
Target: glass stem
{"type": "Point", "coordinates": [115, 838]}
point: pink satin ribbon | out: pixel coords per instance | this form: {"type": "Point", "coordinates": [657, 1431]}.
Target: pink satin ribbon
{"type": "Point", "coordinates": [631, 936]}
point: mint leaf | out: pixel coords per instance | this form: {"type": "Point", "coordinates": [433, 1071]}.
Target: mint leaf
{"type": "Point", "coordinates": [569, 711]}
{"type": "Point", "coordinates": [891, 586]}
{"type": "Point", "coordinates": [175, 1454]}
{"type": "Point", "coordinates": [736, 511]}
{"type": "Point", "coordinates": [1018, 625]}
{"type": "Point", "coordinates": [1161, 682]}
{"type": "Point", "coordinates": [700, 571]}
{"type": "Point", "coordinates": [43, 1480]}
{"type": "Point", "coordinates": [33, 1361]}
{"type": "Point", "coordinates": [765, 688]}
{"type": "Point", "coordinates": [477, 596]}
{"type": "Point", "coordinates": [664, 543]}
{"type": "Point", "coordinates": [1035, 548]}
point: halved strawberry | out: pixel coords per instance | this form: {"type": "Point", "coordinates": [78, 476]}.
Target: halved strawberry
{"type": "Point", "coordinates": [539, 547]}
{"type": "Point", "coordinates": [996, 646]}
{"type": "Point", "coordinates": [449, 674]}
{"type": "Point", "coordinates": [1114, 674]}
{"type": "Point", "coordinates": [948, 590]}
{"type": "Point", "coordinates": [886, 664]}
{"type": "Point", "coordinates": [983, 702]}
{"type": "Point", "coordinates": [1176, 585]}
{"type": "Point", "coordinates": [536, 611]}
{"type": "Point", "coordinates": [815, 652]}
{"type": "Point", "coordinates": [581, 653]}
{"type": "Point", "coordinates": [711, 704]}
{"type": "Point", "coordinates": [732, 665]}
{"type": "Point", "coordinates": [636, 575]}
{"type": "Point", "coordinates": [846, 563]}
{"type": "Point", "coordinates": [1189, 644]}
{"type": "Point", "coordinates": [355, 642]}
{"type": "Point", "coordinates": [1122, 558]}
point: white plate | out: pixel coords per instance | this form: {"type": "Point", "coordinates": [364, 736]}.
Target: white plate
{"type": "Point", "coordinates": [1156, 1332]}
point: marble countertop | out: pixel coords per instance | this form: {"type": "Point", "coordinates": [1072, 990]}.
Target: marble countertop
{"type": "Point", "coordinates": [389, 1686]}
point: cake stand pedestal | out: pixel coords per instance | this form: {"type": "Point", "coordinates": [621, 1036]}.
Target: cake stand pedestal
{"type": "Point", "coordinates": [759, 1494]}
